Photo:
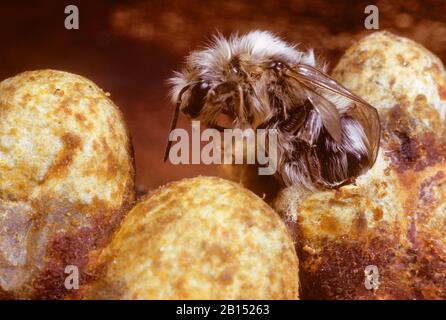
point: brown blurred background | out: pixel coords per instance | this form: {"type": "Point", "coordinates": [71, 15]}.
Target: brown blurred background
{"type": "Point", "coordinates": [129, 48]}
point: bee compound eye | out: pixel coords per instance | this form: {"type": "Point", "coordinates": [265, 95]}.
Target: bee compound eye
{"type": "Point", "coordinates": [277, 65]}
{"type": "Point", "coordinates": [196, 99]}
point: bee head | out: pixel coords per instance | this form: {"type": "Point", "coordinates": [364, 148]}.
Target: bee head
{"type": "Point", "coordinates": [228, 76]}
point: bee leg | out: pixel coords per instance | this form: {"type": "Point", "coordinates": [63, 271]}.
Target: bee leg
{"type": "Point", "coordinates": [295, 120]}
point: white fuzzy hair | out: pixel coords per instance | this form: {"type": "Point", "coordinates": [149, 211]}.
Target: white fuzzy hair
{"type": "Point", "coordinates": [258, 45]}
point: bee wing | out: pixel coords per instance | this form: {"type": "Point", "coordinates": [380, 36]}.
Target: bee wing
{"type": "Point", "coordinates": [328, 112]}
{"type": "Point", "coordinates": [324, 91]}
{"type": "Point", "coordinates": [321, 80]}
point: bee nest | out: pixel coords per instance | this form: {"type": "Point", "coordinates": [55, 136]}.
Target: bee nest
{"type": "Point", "coordinates": [199, 238]}
{"type": "Point", "coordinates": [66, 178]}
{"type": "Point", "coordinates": [394, 216]}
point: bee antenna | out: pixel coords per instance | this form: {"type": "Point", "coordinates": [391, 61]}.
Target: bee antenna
{"type": "Point", "coordinates": [173, 123]}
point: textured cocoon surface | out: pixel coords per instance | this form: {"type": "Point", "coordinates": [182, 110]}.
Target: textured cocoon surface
{"type": "Point", "coordinates": [199, 238]}
{"type": "Point", "coordinates": [394, 217]}
{"type": "Point", "coordinates": [66, 178]}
